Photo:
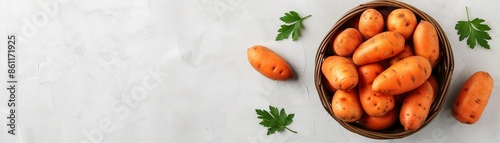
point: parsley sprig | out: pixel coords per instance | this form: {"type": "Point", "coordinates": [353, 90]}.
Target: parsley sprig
{"type": "Point", "coordinates": [275, 120]}
{"type": "Point", "coordinates": [293, 25]}
{"type": "Point", "coordinates": [474, 30]}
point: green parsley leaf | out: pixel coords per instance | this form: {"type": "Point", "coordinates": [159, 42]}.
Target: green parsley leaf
{"type": "Point", "coordinates": [293, 25]}
{"type": "Point", "coordinates": [275, 120]}
{"type": "Point", "coordinates": [474, 31]}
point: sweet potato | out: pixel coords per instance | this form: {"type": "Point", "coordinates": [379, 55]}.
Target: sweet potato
{"type": "Point", "coordinates": [346, 106]}
{"type": "Point", "coordinates": [379, 47]}
{"type": "Point", "coordinates": [403, 76]}
{"type": "Point", "coordinates": [416, 107]}
{"type": "Point", "coordinates": [347, 41]}
{"type": "Point", "coordinates": [426, 42]}
{"type": "Point", "coordinates": [371, 23]}
{"type": "Point", "coordinates": [403, 21]}
{"type": "Point", "coordinates": [268, 63]}
{"type": "Point", "coordinates": [379, 123]}
{"type": "Point", "coordinates": [373, 103]}
{"type": "Point", "coordinates": [407, 51]}
{"type": "Point", "coordinates": [368, 73]}
{"type": "Point", "coordinates": [473, 97]}
{"type": "Point", "coordinates": [340, 72]}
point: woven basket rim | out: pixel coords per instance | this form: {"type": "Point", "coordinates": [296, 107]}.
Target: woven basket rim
{"type": "Point", "coordinates": [444, 68]}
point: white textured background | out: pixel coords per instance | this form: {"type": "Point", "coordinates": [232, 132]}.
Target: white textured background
{"type": "Point", "coordinates": [127, 71]}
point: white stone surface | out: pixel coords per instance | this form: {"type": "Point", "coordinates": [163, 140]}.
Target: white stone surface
{"type": "Point", "coordinates": [126, 71]}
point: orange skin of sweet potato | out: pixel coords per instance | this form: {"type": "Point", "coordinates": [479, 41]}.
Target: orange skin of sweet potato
{"type": "Point", "coordinates": [403, 76]}
{"type": "Point", "coordinates": [403, 21]}
{"type": "Point", "coordinates": [371, 23]}
{"type": "Point", "coordinates": [426, 42]}
{"type": "Point", "coordinates": [416, 107]}
{"type": "Point", "coordinates": [473, 98]}
{"type": "Point", "coordinates": [340, 72]}
{"type": "Point", "coordinates": [346, 106]}
{"type": "Point", "coordinates": [347, 41]}
{"type": "Point", "coordinates": [379, 123]}
{"type": "Point", "coordinates": [373, 103]}
{"type": "Point", "coordinates": [268, 63]}
{"type": "Point", "coordinates": [407, 51]}
{"type": "Point", "coordinates": [381, 46]}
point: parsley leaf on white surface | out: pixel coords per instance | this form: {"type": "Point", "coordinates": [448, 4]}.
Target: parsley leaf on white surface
{"type": "Point", "coordinates": [474, 30]}
{"type": "Point", "coordinates": [293, 25]}
{"type": "Point", "coordinates": [275, 120]}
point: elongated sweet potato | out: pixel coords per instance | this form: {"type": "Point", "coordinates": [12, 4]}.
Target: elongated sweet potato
{"type": "Point", "coordinates": [374, 103]}
{"type": "Point", "coordinates": [426, 42]}
{"type": "Point", "coordinates": [340, 72]}
{"type": "Point", "coordinates": [268, 63]}
{"type": "Point", "coordinates": [403, 76]}
{"type": "Point", "coordinates": [473, 98]}
{"type": "Point", "coordinates": [346, 106]}
{"type": "Point", "coordinates": [416, 107]}
{"type": "Point", "coordinates": [379, 47]}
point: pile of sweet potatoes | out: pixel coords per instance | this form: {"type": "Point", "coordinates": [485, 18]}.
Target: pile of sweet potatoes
{"type": "Point", "coordinates": [381, 73]}
{"type": "Point", "coordinates": [381, 70]}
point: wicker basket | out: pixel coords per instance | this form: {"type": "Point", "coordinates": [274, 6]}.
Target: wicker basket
{"type": "Point", "coordinates": [443, 70]}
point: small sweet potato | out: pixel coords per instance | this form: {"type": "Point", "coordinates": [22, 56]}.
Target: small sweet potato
{"type": "Point", "coordinates": [340, 72]}
{"type": "Point", "coordinates": [346, 106]}
{"type": "Point", "coordinates": [268, 63]}
{"type": "Point", "coordinates": [347, 41]}
{"type": "Point", "coordinates": [371, 23]}
{"type": "Point", "coordinates": [403, 21]}
{"type": "Point", "coordinates": [473, 98]}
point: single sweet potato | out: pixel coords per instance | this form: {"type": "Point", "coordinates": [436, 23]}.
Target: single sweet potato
{"type": "Point", "coordinates": [426, 42]}
{"type": "Point", "coordinates": [268, 63]}
{"type": "Point", "coordinates": [346, 106]}
{"type": "Point", "coordinates": [381, 46]}
{"type": "Point", "coordinates": [416, 107]}
{"type": "Point", "coordinates": [371, 23]}
{"type": "Point", "coordinates": [403, 76]}
{"type": "Point", "coordinates": [340, 72]}
{"type": "Point", "coordinates": [347, 41]}
{"type": "Point", "coordinates": [473, 98]}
